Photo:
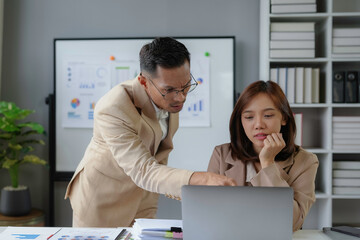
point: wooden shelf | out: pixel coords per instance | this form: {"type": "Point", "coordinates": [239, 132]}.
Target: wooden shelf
{"type": "Point", "coordinates": [35, 218]}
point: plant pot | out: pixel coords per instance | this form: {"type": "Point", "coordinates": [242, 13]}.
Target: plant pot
{"type": "Point", "coordinates": [15, 201]}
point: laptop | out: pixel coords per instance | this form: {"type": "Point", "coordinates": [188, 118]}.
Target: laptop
{"type": "Point", "coordinates": [225, 212]}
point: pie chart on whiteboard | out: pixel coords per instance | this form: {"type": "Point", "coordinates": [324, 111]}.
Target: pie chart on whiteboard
{"type": "Point", "coordinates": [101, 72]}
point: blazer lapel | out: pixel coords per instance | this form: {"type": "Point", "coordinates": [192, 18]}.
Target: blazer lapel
{"type": "Point", "coordinates": [143, 101]}
{"type": "Point", "coordinates": [173, 124]}
{"type": "Point", "coordinates": [236, 170]}
{"type": "Point", "coordinates": [167, 143]}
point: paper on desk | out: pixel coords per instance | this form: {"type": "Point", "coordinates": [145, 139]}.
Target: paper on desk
{"type": "Point", "coordinates": [33, 233]}
{"type": "Point", "coordinates": [87, 233]}
{"type": "Point", "coordinates": [156, 224]}
{"type": "Point", "coordinates": [153, 228]}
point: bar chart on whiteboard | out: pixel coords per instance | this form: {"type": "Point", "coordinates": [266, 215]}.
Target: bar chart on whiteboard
{"type": "Point", "coordinates": [196, 111]}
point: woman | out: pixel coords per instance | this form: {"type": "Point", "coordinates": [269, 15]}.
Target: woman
{"type": "Point", "coordinates": [262, 150]}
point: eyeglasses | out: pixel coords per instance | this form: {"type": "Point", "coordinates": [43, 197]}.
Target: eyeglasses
{"type": "Point", "coordinates": [170, 94]}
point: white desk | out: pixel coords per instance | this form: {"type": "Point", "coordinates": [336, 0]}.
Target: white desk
{"type": "Point", "coordinates": [310, 234]}
{"type": "Point", "coordinates": [299, 235]}
{"type": "Point", "coordinates": [42, 233]}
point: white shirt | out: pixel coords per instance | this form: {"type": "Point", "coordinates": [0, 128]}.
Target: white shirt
{"type": "Point", "coordinates": [250, 171]}
{"type": "Point", "coordinates": [163, 117]}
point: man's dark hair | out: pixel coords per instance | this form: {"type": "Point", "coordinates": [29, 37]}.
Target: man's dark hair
{"type": "Point", "coordinates": [165, 52]}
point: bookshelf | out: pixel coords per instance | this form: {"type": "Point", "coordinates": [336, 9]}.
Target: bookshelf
{"type": "Point", "coordinates": [329, 209]}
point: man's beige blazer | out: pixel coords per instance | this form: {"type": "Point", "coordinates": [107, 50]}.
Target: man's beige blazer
{"type": "Point", "coordinates": [124, 166]}
{"type": "Point", "coordinates": [297, 172]}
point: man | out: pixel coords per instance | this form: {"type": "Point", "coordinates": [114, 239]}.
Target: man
{"type": "Point", "coordinates": [124, 166]}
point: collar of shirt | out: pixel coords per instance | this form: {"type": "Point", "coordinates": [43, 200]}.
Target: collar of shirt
{"type": "Point", "coordinates": [162, 117]}
{"type": "Point", "coordinates": [160, 113]}
{"type": "Point", "coordinates": [250, 170]}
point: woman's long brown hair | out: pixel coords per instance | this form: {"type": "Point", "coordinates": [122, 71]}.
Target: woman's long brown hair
{"type": "Point", "coordinates": [241, 146]}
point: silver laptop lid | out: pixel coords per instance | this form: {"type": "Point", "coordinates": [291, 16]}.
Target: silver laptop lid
{"type": "Point", "coordinates": [250, 213]}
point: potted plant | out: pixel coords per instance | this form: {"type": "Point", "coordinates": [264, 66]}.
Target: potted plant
{"type": "Point", "coordinates": [16, 144]}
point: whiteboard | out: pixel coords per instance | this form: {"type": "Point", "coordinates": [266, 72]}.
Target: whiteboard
{"type": "Point", "coordinates": [193, 146]}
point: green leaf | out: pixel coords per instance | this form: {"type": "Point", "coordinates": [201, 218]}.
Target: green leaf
{"type": "Point", "coordinates": [27, 149]}
{"type": "Point", "coordinates": [8, 163]}
{"type": "Point", "coordinates": [6, 136]}
{"type": "Point", "coordinates": [35, 126]}
{"type": "Point", "coordinates": [7, 125]}
{"type": "Point", "coordinates": [2, 154]}
{"type": "Point", "coordinates": [34, 160]}
{"type": "Point", "coordinates": [13, 112]}
{"type": "Point", "coordinates": [30, 141]}
{"type": "Point", "coordinates": [16, 147]}
{"type": "Point", "coordinates": [29, 132]}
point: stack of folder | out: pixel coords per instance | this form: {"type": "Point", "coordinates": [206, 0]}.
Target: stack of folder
{"type": "Point", "coordinates": [293, 6]}
{"type": "Point", "coordinates": [292, 40]}
{"type": "Point", "coordinates": [346, 131]}
{"type": "Point", "coordinates": [346, 177]}
{"type": "Point", "coordinates": [157, 229]}
{"type": "Point", "coordinates": [346, 42]}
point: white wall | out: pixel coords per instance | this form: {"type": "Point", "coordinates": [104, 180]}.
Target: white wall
{"type": "Point", "coordinates": [31, 25]}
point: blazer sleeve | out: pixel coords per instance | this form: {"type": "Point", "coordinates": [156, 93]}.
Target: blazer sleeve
{"type": "Point", "coordinates": [304, 192]}
{"type": "Point", "coordinates": [302, 181]}
{"type": "Point", "coordinates": [119, 129]}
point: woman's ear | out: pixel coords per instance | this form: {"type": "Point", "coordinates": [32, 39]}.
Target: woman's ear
{"type": "Point", "coordinates": [283, 122]}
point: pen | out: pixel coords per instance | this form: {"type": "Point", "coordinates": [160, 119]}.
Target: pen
{"type": "Point", "coordinates": [164, 234]}
{"type": "Point", "coordinates": [53, 234]}
{"type": "Point", "coordinates": [120, 234]}
{"type": "Point", "coordinates": [128, 236]}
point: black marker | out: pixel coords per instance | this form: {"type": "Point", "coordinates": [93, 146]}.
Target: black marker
{"type": "Point", "coordinates": [120, 234]}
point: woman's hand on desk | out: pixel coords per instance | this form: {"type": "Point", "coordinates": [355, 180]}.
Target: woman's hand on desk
{"type": "Point", "coordinates": [209, 178]}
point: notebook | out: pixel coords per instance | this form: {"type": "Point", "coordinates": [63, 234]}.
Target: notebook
{"type": "Point", "coordinates": [224, 212]}
{"type": "Point", "coordinates": [342, 232]}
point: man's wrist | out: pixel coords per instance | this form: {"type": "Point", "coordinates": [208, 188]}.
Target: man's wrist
{"type": "Point", "coordinates": [196, 178]}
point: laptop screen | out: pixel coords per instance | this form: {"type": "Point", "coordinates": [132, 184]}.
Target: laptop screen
{"type": "Point", "coordinates": [224, 212]}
